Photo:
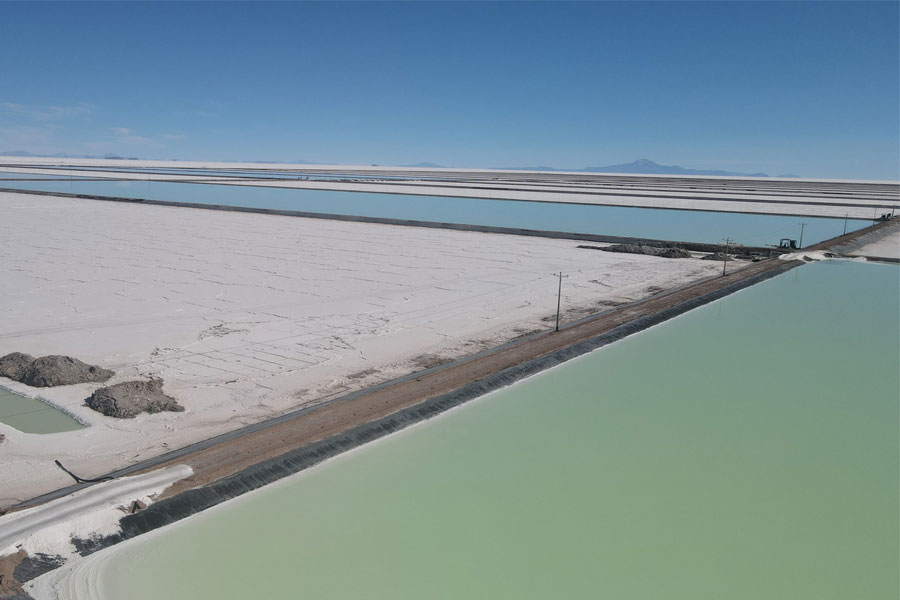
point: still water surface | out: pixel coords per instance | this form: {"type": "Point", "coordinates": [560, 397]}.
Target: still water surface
{"type": "Point", "coordinates": [745, 450]}
{"type": "Point", "coordinates": [33, 416]}
{"type": "Point", "coordinates": [675, 225]}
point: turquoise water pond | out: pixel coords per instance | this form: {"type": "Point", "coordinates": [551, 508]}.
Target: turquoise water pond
{"type": "Point", "coordinates": [675, 225]}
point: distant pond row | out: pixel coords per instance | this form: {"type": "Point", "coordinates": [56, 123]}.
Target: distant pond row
{"type": "Point", "coordinates": [661, 224]}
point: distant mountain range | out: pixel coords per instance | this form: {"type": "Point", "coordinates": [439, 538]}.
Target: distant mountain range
{"type": "Point", "coordinates": [425, 165]}
{"type": "Point", "coordinates": [642, 166]}
{"type": "Point", "coordinates": [645, 166]}
{"type": "Point", "coordinates": [24, 154]}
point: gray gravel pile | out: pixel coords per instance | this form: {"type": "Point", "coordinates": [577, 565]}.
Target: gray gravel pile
{"type": "Point", "coordinates": [663, 251]}
{"type": "Point", "coordinates": [50, 371]}
{"type": "Point", "coordinates": [720, 256]}
{"type": "Point", "coordinates": [129, 399]}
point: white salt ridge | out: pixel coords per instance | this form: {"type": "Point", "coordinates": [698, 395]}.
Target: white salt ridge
{"type": "Point", "coordinates": [594, 191]}
{"type": "Point", "coordinates": [95, 510]}
{"type": "Point", "coordinates": [886, 247]}
{"type": "Point", "coordinates": [814, 255]}
{"type": "Point", "coordinates": [77, 580]}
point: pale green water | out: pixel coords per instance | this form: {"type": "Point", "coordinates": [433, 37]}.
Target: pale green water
{"type": "Point", "coordinates": [746, 450]}
{"type": "Point", "coordinates": [33, 416]}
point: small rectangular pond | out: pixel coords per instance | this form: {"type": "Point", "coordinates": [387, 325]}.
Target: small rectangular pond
{"type": "Point", "coordinates": [30, 415]}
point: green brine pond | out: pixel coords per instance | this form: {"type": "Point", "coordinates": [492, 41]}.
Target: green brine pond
{"type": "Point", "coordinates": [745, 450]}
{"type": "Point", "coordinates": [30, 415]}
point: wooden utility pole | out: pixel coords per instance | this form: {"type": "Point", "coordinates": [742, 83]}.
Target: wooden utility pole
{"type": "Point", "coordinates": [559, 298]}
{"type": "Point", "coordinates": [845, 222]}
{"type": "Point", "coordinates": [800, 243]}
{"type": "Point", "coordinates": [725, 256]}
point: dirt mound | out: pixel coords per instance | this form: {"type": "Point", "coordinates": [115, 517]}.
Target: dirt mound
{"type": "Point", "coordinates": [646, 249]}
{"type": "Point", "coordinates": [128, 399]}
{"type": "Point", "coordinates": [50, 371]}
{"type": "Point", "coordinates": [718, 256]}
{"type": "Point", "coordinates": [13, 365]}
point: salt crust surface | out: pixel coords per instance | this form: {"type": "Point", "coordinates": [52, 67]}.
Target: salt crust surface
{"type": "Point", "coordinates": [96, 510]}
{"type": "Point", "coordinates": [247, 316]}
{"type": "Point", "coordinates": [886, 247]}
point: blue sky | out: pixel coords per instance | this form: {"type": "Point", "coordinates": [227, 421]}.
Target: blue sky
{"type": "Point", "coordinates": [805, 88]}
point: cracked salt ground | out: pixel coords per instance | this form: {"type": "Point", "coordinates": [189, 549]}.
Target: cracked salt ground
{"type": "Point", "coordinates": [237, 327]}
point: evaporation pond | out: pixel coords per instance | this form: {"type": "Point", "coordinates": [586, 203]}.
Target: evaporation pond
{"type": "Point", "coordinates": [747, 449]}
{"type": "Point", "coordinates": [33, 416]}
{"type": "Point", "coordinates": [677, 225]}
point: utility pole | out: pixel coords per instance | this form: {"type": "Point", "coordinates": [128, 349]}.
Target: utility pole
{"type": "Point", "coordinates": [800, 243]}
{"type": "Point", "coordinates": [559, 298]}
{"type": "Point", "coordinates": [845, 223]}
{"type": "Point", "coordinates": [725, 256]}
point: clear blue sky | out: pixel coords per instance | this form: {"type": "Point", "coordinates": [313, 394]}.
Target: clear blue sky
{"type": "Point", "coordinates": [805, 88]}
